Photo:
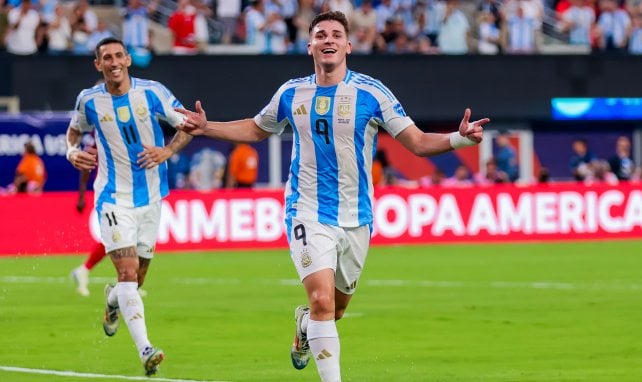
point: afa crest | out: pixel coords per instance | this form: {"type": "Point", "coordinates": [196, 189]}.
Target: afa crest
{"type": "Point", "coordinates": [322, 105]}
{"type": "Point", "coordinates": [123, 114]}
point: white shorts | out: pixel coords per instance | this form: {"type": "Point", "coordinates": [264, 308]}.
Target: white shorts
{"type": "Point", "coordinates": [122, 227]}
{"type": "Point", "coordinates": [315, 246]}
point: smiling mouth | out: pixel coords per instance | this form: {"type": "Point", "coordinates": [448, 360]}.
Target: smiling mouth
{"type": "Point", "coordinates": [329, 51]}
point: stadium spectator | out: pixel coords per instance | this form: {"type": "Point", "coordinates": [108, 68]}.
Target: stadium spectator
{"type": "Point", "coordinates": [101, 32]}
{"type": "Point", "coordinates": [255, 25]}
{"type": "Point", "coordinates": [181, 24]}
{"type": "Point", "coordinates": [201, 29]}
{"type": "Point", "coordinates": [304, 15]}
{"type": "Point", "coordinates": [364, 25]}
{"type": "Point", "coordinates": [621, 164]}
{"type": "Point", "coordinates": [454, 34]}
{"type": "Point", "coordinates": [436, 179]}
{"type": "Point", "coordinates": [506, 156]}
{"type": "Point", "coordinates": [489, 34]}
{"type": "Point", "coordinates": [578, 21]}
{"type": "Point", "coordinates": [276, 33]}
{"type": "Point", "coordinates": [580, 159]}
{"type": "Point", "coordinates": [635, 34]}
{"type": "Point", "coordinates": [59, 32]}
{"type": "Point", "coordinates": [460, 179]}
{"type": "Point", "coordinates": [519, 32]}
{"type": "Point", "coordinates": [491, 175]}
{"type": "Point", "coordinates": [329, 194]}
{"type": "Point", "coordinates": [129, 217]}
{"type": "Point", "coordinates": [613, 25]}
{"type": "Point", "coordinates": [228, 13]}
{"type": "Point", "coordinates": [136, 24]}
{"type": "Point", "coordinates": [23, 22]}
{"type": "Point", "coordinates": [243, 167]}
{"type": "Point", "coordinates": [30, 174]}
{"type": "Point", "coordinates": [599, 172]}
{"type": "Point", "coordinates": [435, 12]}
{"type": "Point", "coordinates": [83, 22]}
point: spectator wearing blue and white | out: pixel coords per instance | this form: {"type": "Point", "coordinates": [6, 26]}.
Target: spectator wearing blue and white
{"type": "Point", "coordinates": [287, 10]}
{"type": "Point", "coordinates": [635, 35]}
{"type": "Point", "coordinates": [136, 24]}
{"type": "Point", "coordinates": [23, 22]}
{"type": "Point", "coordinates": [578, 21]}
{"type": "Point", "coordinates": [255, 24]}
{"type": "Point", "coordinates": [519, 33]}
{"type": "Point", "coordinates": [276, 32]}
{"type": "Point", "coordinates": [612, 27]}
{"type": "Point", "coordinates": [506, 156]}
{"type": "Point", "coordinates": [489, 34]}
{"type": "Point", "coordinates": [455, 30]}
{"type": "Point", "coordinates": [435, 12]}
{"type": "Point", "coordinates": [344, 6]}
{"type": "Point", "coordinates": [83, 22]}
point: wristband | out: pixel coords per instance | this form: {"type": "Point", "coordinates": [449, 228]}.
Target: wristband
{"type": "Point", "coordinates": [457, 141]}
{"type": "Point", "coordinates": [70, 151]}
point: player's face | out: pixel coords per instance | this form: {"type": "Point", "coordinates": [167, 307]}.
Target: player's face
{"type": "Point", "coordinates": [329, 44]}
{"type": "Point", "coordinates": [113, 62]}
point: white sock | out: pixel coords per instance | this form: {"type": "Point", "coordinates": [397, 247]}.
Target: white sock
{"type": "Point", "coordinates": [112, 299]}
{"type": "Point", "coordinates": [133, 312]}
{"type": "Point", "coordinates": [326, 349]}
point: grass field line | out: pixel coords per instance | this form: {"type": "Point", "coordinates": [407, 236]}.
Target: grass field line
{"type": "Point", "coordinates": [554, 285]}
{"type": "Point", "coordinates": [93, 375]}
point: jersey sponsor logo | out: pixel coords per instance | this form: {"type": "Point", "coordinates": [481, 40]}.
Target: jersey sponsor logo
{"type": "Point", "coordinates": [322, 105]}
{"type": "Point", "coordinates": [300, 110]}
{"type": "Point", "coordinates": [123, 113]}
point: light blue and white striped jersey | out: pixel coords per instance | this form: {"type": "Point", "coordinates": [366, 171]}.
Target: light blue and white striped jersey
{"type": "Point", "coordinates": [122, 125]}
{"type": "Point", "coordinates": [335, 139]}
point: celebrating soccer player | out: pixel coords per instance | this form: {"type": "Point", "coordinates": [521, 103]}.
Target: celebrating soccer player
{"type": "Point", "coordinates": [131, 179]}
{"type": "Point", "coordinates": [335, 115]}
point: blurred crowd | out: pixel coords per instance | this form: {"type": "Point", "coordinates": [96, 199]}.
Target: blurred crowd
{"type": "Point", "coordinates": [281, 26]}
{"type": "Point", "coordinates": [503, 168]}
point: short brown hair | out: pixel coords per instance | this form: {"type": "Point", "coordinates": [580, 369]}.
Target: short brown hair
{"type": "Point", "coordinates": [333, 16]}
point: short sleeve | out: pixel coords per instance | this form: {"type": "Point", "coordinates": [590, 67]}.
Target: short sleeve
{"type": "Point", "coordinates": [269, 119]}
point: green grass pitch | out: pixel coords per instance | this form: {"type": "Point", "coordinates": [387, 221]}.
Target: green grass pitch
{"type": "Point", "coordinates": [490, 312]}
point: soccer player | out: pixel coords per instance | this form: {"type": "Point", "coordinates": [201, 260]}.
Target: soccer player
{"type": "Point", "coordinates": [131, 179]}
{"type": "Point", "coordinates": [335, 114]}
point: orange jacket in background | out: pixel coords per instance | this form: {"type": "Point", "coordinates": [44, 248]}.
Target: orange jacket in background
{"type": "Point", "coordinates": [243, 165]}
{"type": "Point", "coordinates": [33, 168]}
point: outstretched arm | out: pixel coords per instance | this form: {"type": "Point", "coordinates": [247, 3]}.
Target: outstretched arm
{"type": "Point", "coordinates": [244, 130]}
{"type": "Point", "coordinates": [427, 144]}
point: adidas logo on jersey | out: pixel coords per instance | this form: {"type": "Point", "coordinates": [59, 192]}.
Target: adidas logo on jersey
{"type": "Point", "coordinates": [300, 110]}
{"type": "Point", "coordinates": [107, 118]}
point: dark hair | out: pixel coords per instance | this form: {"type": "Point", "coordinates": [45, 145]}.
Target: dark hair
{"type": "Point", "coordinates": [109, 40]}
{"type": "Point", "coordinates": [332, 16]}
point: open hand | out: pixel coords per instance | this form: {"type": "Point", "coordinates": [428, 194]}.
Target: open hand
{"type": "Point", "coordinates": [196, 122]}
